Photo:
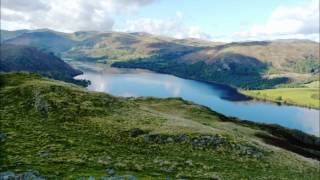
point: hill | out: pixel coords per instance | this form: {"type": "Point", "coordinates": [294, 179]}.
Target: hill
{"type": "Point", "coordinates": [282, 55]}
{"type": "Point", "coordinates": [92, 45]}
{"type": "Point", "coordinates": [25, 58]}
{"type": "Point", "coordinates": [43, 39]}
{"type": "Point", "coordinates": [61, 131]}
{"type": "Point", "coordinates": [5, 35]}
{"type": "Point", "coordinates": [126, 46]}
{"type": "Point", "coordinates": [246, 65]}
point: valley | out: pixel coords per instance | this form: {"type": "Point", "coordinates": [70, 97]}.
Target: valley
{"type": "Point", "coordinates": [159, 90]}
{"type": "Point", "coordinates": [156, 107]}
{"type": "Point", "coordinates": [243, 65]}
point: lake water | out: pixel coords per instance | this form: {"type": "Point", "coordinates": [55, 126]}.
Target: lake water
{"type": "Point", "coordinates": [132, 82]}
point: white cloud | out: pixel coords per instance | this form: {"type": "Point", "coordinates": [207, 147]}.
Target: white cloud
{"type": "Point", "coordinates": [25, 5]}
{"type": "Point", "coordinates": [298, 22]}
{"type": "Point", "coordinates": [169, 27]}
{"type": "Point", "coordinates": [66, 15]}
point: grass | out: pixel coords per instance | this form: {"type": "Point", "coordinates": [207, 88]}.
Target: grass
{"type": "Point", "coordinates": [314, 84]}
{"type": "Point", "coordinates": [307, 96]}
{"type": "Point", "coordinates": [65, 132]}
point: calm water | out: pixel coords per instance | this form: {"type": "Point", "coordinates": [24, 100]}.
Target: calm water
{"type": "Point", "coordinates": [124, 82]}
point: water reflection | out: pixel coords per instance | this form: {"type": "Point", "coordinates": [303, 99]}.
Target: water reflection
{"type": "Point", "coordinates": [135, 83]}
{"type": "Point", "coordinates": [309, 123]}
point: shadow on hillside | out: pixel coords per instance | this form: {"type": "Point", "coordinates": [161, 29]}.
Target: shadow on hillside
{"type": "Point", "coordinates": [310, 152]}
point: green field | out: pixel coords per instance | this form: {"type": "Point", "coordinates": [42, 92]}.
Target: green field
{"type": "Point", "coordinates": [63, 131]}
{"type": "Point", "coordinates": [307, 96]}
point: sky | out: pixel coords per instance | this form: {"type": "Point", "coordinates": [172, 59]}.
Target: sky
{"type": "Point", "coordinates": [215, 20]}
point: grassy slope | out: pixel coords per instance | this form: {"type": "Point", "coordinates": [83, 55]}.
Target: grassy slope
{"type": "Point", "coordinates": [64, 131]}
{"type": "Point", "coordinates": [305, 96]}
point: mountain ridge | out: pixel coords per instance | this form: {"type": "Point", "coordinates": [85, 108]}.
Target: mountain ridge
{"type": "Point", "coordinates": [275, 61]}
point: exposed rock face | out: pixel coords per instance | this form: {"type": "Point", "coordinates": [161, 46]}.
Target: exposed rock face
{"type": "Point", "coordinates": [136, 132]}
{"type": "Point", "coordinates": [205, 141]}
{"type": "Point", "coordinates": [31, 175]}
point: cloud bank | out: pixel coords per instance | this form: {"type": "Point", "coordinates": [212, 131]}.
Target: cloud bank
{"type": "Point", "coordinates": [66, 15]}
{"type": "Point", "coordinates": [294, 22]}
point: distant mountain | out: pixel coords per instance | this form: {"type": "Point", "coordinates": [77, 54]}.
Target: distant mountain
{"type": "Point", "coordinates": [279, 54]}
{"type": "Point", "coordinates": [5, 35]}
{"type": "Point", "coordinates": [48, 40]}
{"type": "Point", "coordinates": [25, 58]}
{"type": "Point", "coordinates": [249, 65]}
{"type": "Point", "coordinates": [127, 46]}
{"type": "Point", "coordinates": [257, 64]}
{"type": "Point", "coordinates": [93, 45]}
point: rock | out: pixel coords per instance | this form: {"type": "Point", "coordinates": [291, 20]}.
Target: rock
{"type": "Point", "coordinates": [31, 175]}
{"type": "Point", "coordinates": [91, 178]}
{"type": "Point", "coordinates": [189, 162]}
{"type": "Point", "coordinates": [136, 132]}
{"type": "Point", "coordinates": [130, 177]}
{"type": "Point", "coordinates": [247, 149]}
{"type": "Point", "coordinates": [111, 171]}
{"type": "Point", "coordinates": [164, 138]}
{"type": "Point", "coordinates": [3, 136]}
{"type": "Point", "coordinates": [169, 140]}
{"type": "Point", "coordinates": [209, 141]}
{"type": "Point", "coordinates": [182, 138]}
{"type": "Point", "coordinates": [43, 154]}
{"type": "Point", "coordinates": [120, 178]}
{"type": "Point", "coordinates": [7, 175]}
{"type": "Point", "coordinates": [195, 142]}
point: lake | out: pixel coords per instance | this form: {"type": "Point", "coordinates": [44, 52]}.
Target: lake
{"type": "Point", "coordinates": [225, 100]}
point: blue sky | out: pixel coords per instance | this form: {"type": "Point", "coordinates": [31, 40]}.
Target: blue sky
{"type": "Point", "coordinates": [220, 20]}
{"type": "Point", "coordinates": [218, 17]}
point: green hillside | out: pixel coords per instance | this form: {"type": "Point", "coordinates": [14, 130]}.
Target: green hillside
{"type": "Point", "coordinates": [62, 131]}
{"type": "Point", "coordinates": [232, 69]}
{"type": "Point", "coordinates": [31, 59]}
{"type": "Point", "coordinates": [306, 95]}
{"type": "Point", "coordinates": [247, 65]}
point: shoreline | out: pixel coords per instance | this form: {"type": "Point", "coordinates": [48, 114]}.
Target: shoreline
{"type": "Point", "coordinates": [270, 99]}
{"type": "Point", "coordinates": [245, 96]}
{"type": "Point", "coordinates": [240, 91]}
